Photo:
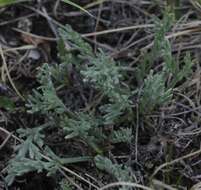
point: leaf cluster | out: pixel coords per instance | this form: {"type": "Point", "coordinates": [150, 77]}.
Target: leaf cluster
{"type": "Point", "coordinates": [104, 76]}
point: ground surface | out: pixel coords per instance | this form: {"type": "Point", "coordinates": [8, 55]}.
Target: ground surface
{"type": "Point", "coordinates": [28, 36]}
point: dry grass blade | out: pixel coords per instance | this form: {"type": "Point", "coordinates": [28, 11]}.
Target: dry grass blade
{"type": "Point", "coordinates": [119, 30]}
{"type": "Point", "coordinates": [175, 161]}
{"type": "Point", "coordinates": [5, 68]}
{"type": "Point", "coordinates": [77, 6]}
{"type": "Point", "coordinates": [196, 186]}
{"type": "Point", "coordinates": [95, 3]}
{"type": "Point", "coordinates": [10, 2]}
{"type": "Point", "coordinates": [134, 185]}
{"type": "Point", "coordinates": [5, 141]}
{"type": "Point", "coordinates": [175, 35]}
{"type": "Point", "coordinates": [160, 184]}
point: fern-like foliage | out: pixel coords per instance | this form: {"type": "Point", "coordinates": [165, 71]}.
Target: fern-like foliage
{"type": "Point", "coordinates": [19, 167]}
{"type": "Point", "coordinates": [45, 99]}
{"type": "Point", "coordinates": [28, 157]}
{"type": "Point", "coordinates": [119, 171]}
{"type": "Point", "coordinates": [103, 73]}
{"type": "Point", "coordinates": [162, 47]}
{"type": "Point", "coordinates": [118, 105]}
{"type": "Point", "coordinates": [121, 135]}
{"type": "Point", "coordinates": [33, 155]}
{"type": "Point", "coordinates": [159, 44]}
{"type": "Point", "coordinates": [86, 127]}
{"type": "Point", "coordinates": [177, 73]}
{"type": "Point", "coordinates": [31, 146]}
{"type": "Point", "coordinates": [154, 92]}
{"type": "Point", "coordinates": [161, 28]}
{"type": "Point", "coordinates": [64, 185]}
{"type": "Point", "coordinates": [75, 40]}
{"type": "Point", "coordinates": [157, 88]}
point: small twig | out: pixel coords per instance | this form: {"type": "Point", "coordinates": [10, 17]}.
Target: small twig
{"type": "Point", "coordinates": [4, 66]}
{"type": "Point", "coordinates": [187, 111]}
{"type": "Point", "coordinates": [70, 180]}
{"type": "Point", "coordinates": [175, 161]}
{"type": "Point", "coordinates": [118, 30]}
{"type": "Point", "coordinates": [135, 185]}
{"type": "Point", "coordinates": [136, 135]}
{"type": "Point", "coordinates": [56, 5]}
{"type": "Point", "coordinates": [174, 35]}
{"type": "Point", "coordinates": [158, 183]}
{"type": "Point", "coordinates": [51, 24]}
{"type": "Point", "coordinates": [97, 24]}
{"type": "Point", "coordinates": [10, 133]}
{"type": "Point", "coordinates": [78, 176]}
{"type": "Point", "coordinates": [34, 35]}
{"type": "Point", "coordinates": [21, 48]}
{"type": "Point", "coordinates": [17, 19]}
{"type": "Point", "coordinates": [5, 141]}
